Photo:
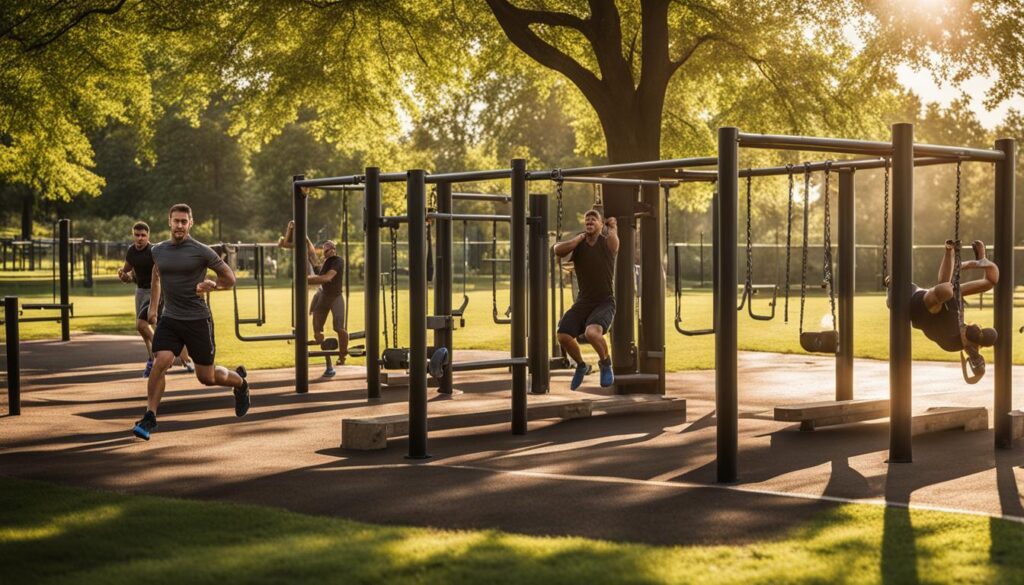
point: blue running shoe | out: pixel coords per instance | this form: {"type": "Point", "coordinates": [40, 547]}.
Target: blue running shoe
{"type": "Point", "coordinates": [242, 401]}
{"type": "Point", "coordinates": [577, 376]}
{"type": "Point", "coordinates": [607, 375]}
{"type": "Point", "coordinates": [329, 372]}
{"type": "Point", "coordinates": [145, 427]}
{"type": "Point", "coordinates": [149, 368]}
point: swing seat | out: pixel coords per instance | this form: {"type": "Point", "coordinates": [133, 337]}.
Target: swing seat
{"type": "Point", "coordinates": [395, 358]}
{"type": "Point", "coordinates": [438, 363]}
{"type": "Point", "coordinates": [819, 341]}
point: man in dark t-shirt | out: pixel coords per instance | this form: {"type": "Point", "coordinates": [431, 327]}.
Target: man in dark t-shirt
{"type": "Point", "coordinates": [179, 279]}
{"type": "Point", "coordinates": [138, 268]}
{"type": "Point", "coordinates": [590, 316]}
{"type": "Point", "coordinates": [935, 310]}
{"type": "Point", "coordinates": [328, 299]}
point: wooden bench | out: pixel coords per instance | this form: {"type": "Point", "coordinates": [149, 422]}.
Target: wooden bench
{"type": "Point", "coordinates": [944, 418]}
{"type": "Point", "coordinates": [370, 433]}
{"type": "Point", "coordinates": [833, 412]}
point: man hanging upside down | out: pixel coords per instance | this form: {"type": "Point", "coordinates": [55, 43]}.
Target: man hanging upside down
{"type": "Point", "coordinates": [590, 316]}
{"type": "Point", "coordinates": [934, 310]}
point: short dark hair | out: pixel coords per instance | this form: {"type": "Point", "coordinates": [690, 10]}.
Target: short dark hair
{"type": "Point", "coordinates": [140, 226]}
{"type": "Point", "coordinates": [592, 212]}
{"type": "Point", "coordinates": [180, 207]}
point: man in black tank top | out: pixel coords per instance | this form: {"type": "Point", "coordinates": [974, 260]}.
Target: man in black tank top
{"type": "Point", "coordinates": [934, 310]}
{"type": "Point", "coordinates": [590, 316]}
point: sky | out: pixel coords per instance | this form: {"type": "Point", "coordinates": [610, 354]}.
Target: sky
{"type": "Point", "coordinates": [923, 84]}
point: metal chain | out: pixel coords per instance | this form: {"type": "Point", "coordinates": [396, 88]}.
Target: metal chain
{"type": "Point", "coordinates": [956, 252]}
{"type": "Point", "coordinates": [885, 227]}
{"type": "Point", "coordinates": [803, 245]}
{"type": "Point", "coordinates": [394, 284]}
{"type": "Point", "coordinates": [344, 241]}
{"type": "Point", "coordinates": [558, 238]}
{"type": "Point", "coordinates": [827, 272]}
{"type": "Point", "coordinates": [748, 291]}
{"type": "Point", "coordinates": [789, 240]}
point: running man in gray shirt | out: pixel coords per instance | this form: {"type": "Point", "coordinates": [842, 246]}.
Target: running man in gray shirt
{"type": "Point", "coordinates": [179, 274]}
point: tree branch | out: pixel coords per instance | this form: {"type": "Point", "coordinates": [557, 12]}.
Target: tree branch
{"type": "Point", "coordinates": [75, 21]}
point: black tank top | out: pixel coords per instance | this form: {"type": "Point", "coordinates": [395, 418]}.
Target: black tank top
{"type": "Point", "coordinates": [595, 270]}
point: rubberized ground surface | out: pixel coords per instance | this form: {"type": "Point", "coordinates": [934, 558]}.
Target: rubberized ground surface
{"type": "Point", "coordinates": [646, 478]}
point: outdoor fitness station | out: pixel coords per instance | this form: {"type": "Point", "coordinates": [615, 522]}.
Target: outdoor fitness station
{"type": "Point", "coordinates": [638, 353]}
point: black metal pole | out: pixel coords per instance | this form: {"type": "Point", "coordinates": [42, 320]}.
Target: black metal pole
{"type": "Point", "coordinates": [1005, 191]}
{"type": "Point", "coordinates": [619, 202]}
{"type": "Point", "coordinates": [301, 288]}
{"type": "Point", "coordinates": [64, 228]}
{"type": "Point", "coordinates": [13, 356]}
{"type": "Point", "coordinates": [847, 272]}
{"type": "Point", "coordinates": [518, 240]}
{"type": "Point", "coordinates": [416, 200]}
{"type": "Point", "coordinates": [726, 392]}
{"type": "Point", "coordinates": [900, 356]}
{"type": "Point", "coordinates": [538, 285]}
{"type": "Point", "coordinates": [444, 280]}
{"type": "Point", "coordinates": [653, 259]}
{"type": "Point", "coordinates": [371, 300]}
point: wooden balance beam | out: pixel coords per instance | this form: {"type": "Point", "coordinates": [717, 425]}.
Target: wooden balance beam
{"type": "Point", "coordinates": [838, 412]}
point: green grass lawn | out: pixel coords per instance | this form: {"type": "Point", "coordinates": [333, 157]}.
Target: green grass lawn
{"type": "Point", "coordinates": [52, 534]}
{"type": "Point", "coordinates": [108, 308]}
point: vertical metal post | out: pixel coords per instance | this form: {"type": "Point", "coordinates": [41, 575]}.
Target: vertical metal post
{"type": "Point", "coordinates": [847, 272]}
{"type": "Point", "coordinates": [371, 300]}
{"type": "Point", "coordinates": [64, 230]}
{"type": "Point", "coordinates": [726, 391]}
{"type": "Point", "coordinates": [538, 284]}
{"type": "Point", "coordinates": [444, 280]}
{"type": "Point", "coordinates": [714, 257]}
{"type": "Point", "coordinates": [1005, 191]}
{"type": "Point", "coordinates": [416, 201]}
{"type": "Point", "coordinates": [653, 259]}
{"type": "Point", "coordinates": [619, 202]}
{"type": "Point", "coordinates": [556, 348]}
{"type": "Point", "coordinates": [301, 288]}
{"type": "Point", "coordinates": [13, 356]}
{"type": "Point", "coordinates": [900, 356]}
{"type": "Point", "coordinates": [518, 240]}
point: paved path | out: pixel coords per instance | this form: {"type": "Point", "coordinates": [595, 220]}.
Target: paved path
{"type": "Point", "coordinates": [646, 478]}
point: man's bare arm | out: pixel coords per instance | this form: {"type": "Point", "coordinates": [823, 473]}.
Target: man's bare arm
{"type": "Point", "coordinates": [225, 280]}
{"type": "Point", "coordinates": [612, 239]}
{"type": "Point", "coordinates": [562, 249]}
{"type": "Point", "coordinates": [322, 278]}
{"type": "Point", "coordinates": [154, 295]}
{"type": "Point", "coordinates": [124, 273]}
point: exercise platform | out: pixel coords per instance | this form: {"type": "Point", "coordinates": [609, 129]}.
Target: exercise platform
{"type": "Point", "coordinates": [372, 433]}
{"type": "Point", "coordinates": [829, 413]}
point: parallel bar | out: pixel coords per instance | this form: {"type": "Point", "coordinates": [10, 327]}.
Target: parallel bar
{"type": "Point", "coordinates": [13, 356]}
{"type": "Point", "coordinates": [900, 290]}
{"type": "Point", "coordinates": [845, 145]}
{"type": "Point", "coordinates": [654, 165]}
{"type": "Point", "coordinates": [489, 364]}
{"type": "Point", "coordinates": [540, 367]}
{"type": "Point", "coordinates": [519, 286]}
{"type": "Point", "coordinates": [726, 391]}
{"type": "Point", "coordinates": [467, 176]}
{"type": "Point", "coordinates": [610, 181]}
{"type": "Point", "coordinates": [482, 197]}
{"type": "Point", "coordinates": [444, 281]}
{"type": "Point", "coordinates": [64, 228]}
{"type": "Point", "coordinates": [354, 187]}
{"type": "Point", "coordinates": [301, 289]}
{"type": "Point", "coordinates": [1005, 191]}
{"type": "Point", "coordinates": [855, 164]}
{"type": "Point", "coordinates": [416, 200]}
{"type": "Point", "coordinates": [847, 272]}
{"type": "Point", "coordinates": [329, 181]}
{"type": "Point", "coordinates": [371, 299]}
{"type": "Point", "coordinates": [469, 217]}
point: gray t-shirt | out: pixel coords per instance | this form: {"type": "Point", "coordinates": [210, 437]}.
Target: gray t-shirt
{"type": "Point", "coordinates": [182, 267]}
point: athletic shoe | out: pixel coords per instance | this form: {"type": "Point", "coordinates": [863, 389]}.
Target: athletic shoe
{"type": "Point", "coordinates": [577, 376]}
{"type": "Point", "coordinates": [189, 366]}
{"type": "Point", "coordinates": [242, 401]}
{"type": "Point", "coordinates": [144, 427]}
{"type": "Point", "coordinates": [607, 376]}
{"type": "Point", "coordinates": [149, 368]}
{"type": "Point", "coordinates": [976, 360]}
{"type": "Point", "coordinates": [329, 372]}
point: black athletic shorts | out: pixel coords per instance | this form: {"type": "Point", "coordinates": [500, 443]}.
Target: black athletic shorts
{"type": "Point", "coordinates": [196, 335]}
{"type": "Point", "coordinates": [943, 327]}
{"type": "Point", "coordinates": [583, 314]}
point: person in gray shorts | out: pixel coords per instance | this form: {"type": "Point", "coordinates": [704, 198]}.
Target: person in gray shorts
{"type": "Point", "coordinates": [138, 268]}
{"type": "Point", "coordinates": [179, 279]}
{"type": "Point", "coordinates": [328, 299]}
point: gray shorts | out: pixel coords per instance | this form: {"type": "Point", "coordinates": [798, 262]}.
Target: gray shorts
{"type": "Point", "coordinates": [142, 299]}
{"type": "Point", "coordinates": [323, 304]}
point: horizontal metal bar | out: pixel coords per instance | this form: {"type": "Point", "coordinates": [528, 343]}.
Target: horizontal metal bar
{"type": "Point", "coordinates": [846, 145]}
{"type": "Point", "coordinates": [482, 197]}
{"type": "Point", "coordinates": [467, 176]}
{"type": "Point", "coordinates": [610, 181]}
{"type": "Point", "coordinates": [854, 164]}
{"type": "Point", "coordinates": [330, 181]}
{"type": "Point", "coordinates": [488, 364]}
{"type": "Point", "coordinates": [469, 217]}
{"type": "Point", "coordinates": [342, 188]}
{"type": "Point", "coordinates": [654, 165]}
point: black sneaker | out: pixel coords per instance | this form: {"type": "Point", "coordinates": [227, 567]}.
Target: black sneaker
{"type": "Point", "coordinates": [144, 427]}
{"type": "Point", "coordinates": [976, 360]}
{"type": "Point", "coordinates": [242, 401]}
